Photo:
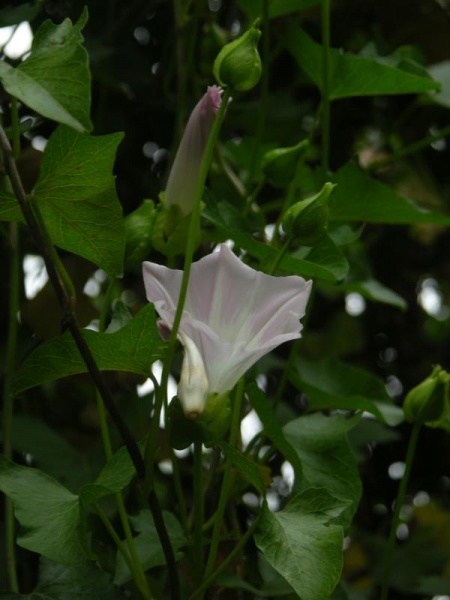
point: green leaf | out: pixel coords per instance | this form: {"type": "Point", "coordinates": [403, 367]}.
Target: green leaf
{"type": "Point", "coordinates": [9, 207]}
{"type": "Point", "coordinates": [148, 546]}
{"type": "Point", "coordinates": [248, 469]}
{"type": "Point", "coordinates": [359, 197]}
{"type": "Point", "coordinates": [48, 513]}
{"type": "Point", "coordinates": [77, 198]}
{"type": "Point", "coordinates": [272, 427]}
{"type": "Point", "coordinates": [330, 384]}
{"type": "Point", "coordinates": [67, 582]}
{"type": "Point", "coordinates": [376, 291]}
{"type": "Point", "coordinates": [54, 80]}
{"type": "Point", "coordinates": [114, 477]}
{"type": "Point", "coordinates": [327, 461]}
{"type": "Point", "coordinates": [303, 544]}
{"type": "Point", "coordinates": [138, 230]}
{"type": "Point", "coordinates": [352, 75]}
{"type": "Point", "coordinates": [133, 348]}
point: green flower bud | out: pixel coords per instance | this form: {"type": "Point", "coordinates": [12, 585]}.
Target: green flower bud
{"type": "Point", "coordinates": [279, 165]}
{"type": "Point", "coordinates": [170, 230]}
{"type": "Point", "coordinates": [238, 63]}
{"type": "Point", "coordinates": [138, 232]}
{"type": "Point", "coordinates": [307, 220]}
{"type": "Point", "coordinates": [209, 428]}
{"type": "Point", "coordinates": [428, 402]}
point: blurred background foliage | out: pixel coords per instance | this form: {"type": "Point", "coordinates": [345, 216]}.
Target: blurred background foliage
{"type": "Point", "coordinates": [150, 62]}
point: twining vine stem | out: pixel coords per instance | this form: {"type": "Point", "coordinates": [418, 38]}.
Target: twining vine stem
{"type": "Point", "coordinates": [70, 321]}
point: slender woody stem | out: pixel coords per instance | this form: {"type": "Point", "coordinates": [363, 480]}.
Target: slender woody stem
{"type": "Point", "coordinates": [71, 322]}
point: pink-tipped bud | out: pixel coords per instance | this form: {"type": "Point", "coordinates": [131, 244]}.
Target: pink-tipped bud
{"type": "Point", "coordinates": [183, 178]}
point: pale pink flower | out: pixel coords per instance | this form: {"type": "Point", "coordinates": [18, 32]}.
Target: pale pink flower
{"type": "Point", "coordinates": [183, 178]}
{"type": "Point", "coordinates": [233, 315]}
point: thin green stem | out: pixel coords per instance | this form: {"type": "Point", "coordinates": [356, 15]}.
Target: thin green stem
{"type": "Point", "coordinates": [325, 104]}
{"type": "Point", "coordinates": [412, 445]}
{"type": "Point", "coordinates": [152, 444]}
{"type": "Point", "coordinates": [227, 561]}
{"type": "Point", "coordinates": [225, 489]}
{"type": "Point", "coordinates": [408, 150]}
{"type": "Point", "coordinates": [15, 126]}
{"type": "Point", "coordinates": [144, 589]}
{"type": "Point", "coordinates": [199, 511]}
{"type": "Point", "coordinates": [281, 253]}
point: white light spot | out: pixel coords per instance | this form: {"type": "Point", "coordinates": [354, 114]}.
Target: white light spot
{"type": "Point", "coordinates": [355, 304]}
{"type": "Point", "coordinates": [261, 382]}
{"type": "Point", "coordinates": [250, 426]}
{"type": "Point", "coordinates": [273, 501]}
{"type": "Point", "coordinates": [235, 27]}
{"type": "Point", "coordinates": [430, 297]}
{"type": "Point", "coordinates": [149, 149]}
{"type": "Point", "coordinates": [91, 288]}
{"type": "Point", "coordinates": [402, 531]}
{"type": "Point", "coordinates": [251, 499]}
{"type": "Point", "coordinates": [346, 543]}
{"type": "Point", "coordinates": [165, 466]}
{"type": "Point", "coordinates": [396, 470]}
{"type": "Point", "coordinates": [269, 230]}
{"type": "Point", "coordinates": [155, 68]}
{"type": "Point", "coordinates": [93, 325]}
{"type": "Point", "coordinates": [440, 598]}
{"type": "Point", "coordinates": [100, 275]}
{"type": "Point", "coordinates": [422, 498]}
{"type": "Point", "coordinates": [288, 474]}
{"type": "Point", "coordinates": [39, 142]}
{"type": "Point", "coordinates": [19, 43]}
{"type": "Point", "coordinates": [35, 275]}
{"type": "Point", "coordinates": [394, 386]}
{"type": "Point", "coordinates": [380, 509]}
{"type": "Point", "coordinates": [142, 35]}
{"type": "Point", "coordinates": [182, 453]}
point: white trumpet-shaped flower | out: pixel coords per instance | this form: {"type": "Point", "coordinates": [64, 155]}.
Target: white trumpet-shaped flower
{"type": "Point", "coordinates": [233, 315]}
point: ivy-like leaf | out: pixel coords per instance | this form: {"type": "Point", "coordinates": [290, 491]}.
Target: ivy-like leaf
{"type": "Point", "coordinates": [302, 543]}
{"type": "Point", "coordinates": [352, 75]}
{"type": "Point", "coordinates": [67, 582]}
{"type": "Point", "coordinates": [330, 384]}
{"type": "Point", "coordinates": [327, 461]}
{"type": "Point", "coordinates": [77, 198]}
{"type": "Point", "coordinates": [359, 197]}
{"type": "Point", "coordinates": [9, 207]}
{"type": "Point", "coordinates": [49, 516]}
{"type": "Point", "coordinates": [133, 348]}
{"type": "Point", "coordinates": [55, 79]}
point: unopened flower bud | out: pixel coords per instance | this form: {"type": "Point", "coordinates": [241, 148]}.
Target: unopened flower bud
{"type": "Point", "coordinates": [238, 64]}
{"type": "Point", "coordinates": [193, 385]}
{"type": "Point", "coordinates": [279, 165]}
{"type": "Point", "coordinates": [428, 402]}
{"type": "Point", "coordinates": [307, 220]}
{"type": "Point", "coordinates": [184, 174]}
